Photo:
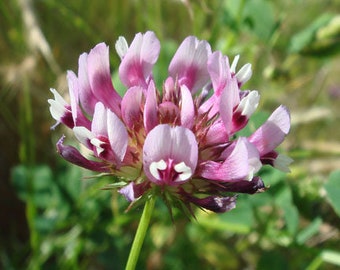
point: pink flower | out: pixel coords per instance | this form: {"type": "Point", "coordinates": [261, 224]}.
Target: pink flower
{"type": "Point", "coordinates": [180, 143]}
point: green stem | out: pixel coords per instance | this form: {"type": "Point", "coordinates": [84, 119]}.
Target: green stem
{"type": "Point", "coordinates": [140, 234]}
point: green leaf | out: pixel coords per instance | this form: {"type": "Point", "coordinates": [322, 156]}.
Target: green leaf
{"type": "Point", "coordinates": [272, 260]}
{"type": "Point", "coordinates": [319, 38]}
{"type": "Point", "coordinates": [328, 256]}
{"type": "Point", "coordinates": [70, 182]}
{"type": "Point", "coordinates": [260, 15]}
{"type": "Point", "coordinates": [291, 214]}
{"type": "Point", "coordinates": [332, 188]}
{"type": "Point", "coordinates": [309, 231]}
{"type": "Point", "coordinates": [239, 220]}
{"type": "Point", "coordinates": [34, 181]}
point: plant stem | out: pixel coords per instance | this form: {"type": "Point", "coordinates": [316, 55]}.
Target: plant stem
{"type": "Point", "coordinates": [140, 234]}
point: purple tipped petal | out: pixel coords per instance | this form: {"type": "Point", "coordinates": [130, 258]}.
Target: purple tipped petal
{"type": "Point", "coordinates": [118, 135]}
{"type": "Point", "coordinates": [100, 78]}
{"type": "Point", "coordinates": [139, 59]}
{"type": "Point", "coordinates": [187, 108]}
{"type": "Point", "coordinates": [150, 108]}
{"type": "Point", "coordinates": [131, 106]}
{"type": "Point", "coordinates": [189, 64]}
{"type": "Point", "coordinates": [216, 204]}
{"type": "Point", "coordinates": [271, 134]}
{"type": "Point", "coordinates": [170, 149]}
{"type": "Point", "coordinates": [250, 187]}
{"type": "Point", "coordinates": [72, 155]}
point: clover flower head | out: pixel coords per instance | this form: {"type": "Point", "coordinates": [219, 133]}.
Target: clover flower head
{"type": "Point", "coordinates": [178, 140]}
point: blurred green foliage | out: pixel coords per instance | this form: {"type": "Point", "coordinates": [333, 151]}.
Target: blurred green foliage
{"type": "Point", "coordinates": [70, 223]}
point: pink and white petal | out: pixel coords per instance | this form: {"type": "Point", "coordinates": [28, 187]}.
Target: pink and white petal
{"type": "Point", "coordinates": [234, 168]}
{"type": "Point", "coordinates": [139, 59]}
{"type": "Point", "coordinates": [184, 146]}
{"type": "Point", "coordinates": [79, 119]}
{"type": "Point", "coordinates": [157, 145]}
{"type": "Point", "coordinates": [149, 53]}
{"type": "Point", "coordinates": [229, 99]}
{"type": "Point", "coordinates": [117, 134]}
{"type": "Point", "coordinates": [187, 108]}
{"type": "Point", "coordinates": [217, 134]}
{"type": "Point", "coordinates": [73, 87]}
{"type": "Point", "coordinates": [219, 71]}
{"type": "Point", "coordinates": [281, 117]}
{"type": "Point", "coordinates": [86, 97]}
{"type": "Point", "coordinates": [272, 133]}
{"type": "Point", "coordinates": [254, 161]}
{"type": "Point", "coordinates": [189, 64]}
{"type": "Point", "coordinates": [210, 106]}
{"type": "Point", "coordinates": [98, 65]}
{"type": "Point", "coordinates": [165, 142]}
{"type": "Point", "coordinates": [131, 106]}
{"type": "Point", "coordinates": [99, 121]}
{"type": "Point", "coordinates": [150, 109]}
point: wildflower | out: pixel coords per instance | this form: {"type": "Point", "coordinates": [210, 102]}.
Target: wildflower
{"type": "Point", "coordinates": [181, 142]}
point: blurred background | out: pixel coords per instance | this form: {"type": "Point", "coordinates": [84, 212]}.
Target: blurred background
{"type": "Point", "coordinates": [54, 216]}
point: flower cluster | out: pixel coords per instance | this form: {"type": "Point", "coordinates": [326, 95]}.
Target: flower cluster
{"type": "Point", "coordinates": [180, 142]}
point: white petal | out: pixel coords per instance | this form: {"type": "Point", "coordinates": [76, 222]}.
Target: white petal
{"type": "Point", "coordinates": [249, 103]}
{"type": "Point", "coordinates": [155, 166]}
{"type": "Point", "coordinates": [56, 109]}
{"type": "Point", "coordinates": [121, 47]}
{"type": "Point", "coordinates": [282, 162]}
{"type": "Point", "coordinates": [244, 74]}
{"type": "Point", "coordinates": [83, 135]}
{"type": "Point", "coordinates": [97, 143]}
{"type": "Point", "coordinates": [234, 63]}
{"type": "Point", "coordinates": [184, 171]}
{"type": "Point", "coordinates": [57, 97]}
